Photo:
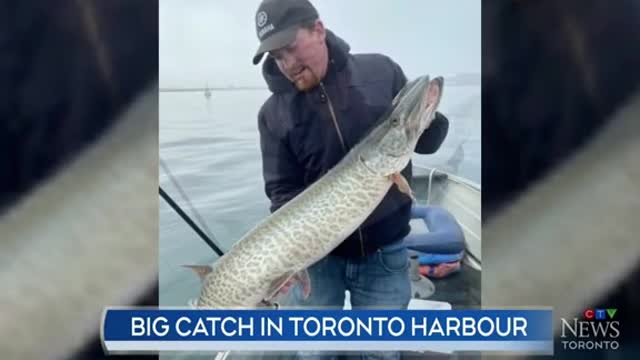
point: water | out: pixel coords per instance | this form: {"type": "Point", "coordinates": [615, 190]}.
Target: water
{"type": "Point", "coordinates": [212, 148]}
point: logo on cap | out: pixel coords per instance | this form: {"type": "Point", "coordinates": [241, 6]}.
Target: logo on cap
{"type": "Point", "coordinates": [261, 18]}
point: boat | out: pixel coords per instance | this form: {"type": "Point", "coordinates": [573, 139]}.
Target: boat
{"type": "Point", "coordinates": [461, 197]}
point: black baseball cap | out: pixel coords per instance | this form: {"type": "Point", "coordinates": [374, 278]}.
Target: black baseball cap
{"type": "Point", "coordinates": [278, 21]}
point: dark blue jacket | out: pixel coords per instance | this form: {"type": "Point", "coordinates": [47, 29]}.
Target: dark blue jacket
{"type": "Point", "coordinates": [300, 143]}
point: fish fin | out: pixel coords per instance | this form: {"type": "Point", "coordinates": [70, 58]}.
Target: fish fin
{"type": "Point", "coordinates": [201, 270]}
{"type": "Point", "coordinates": [269, 305]}
{"type": "Point", "coordinates": [277, 284]}
{"type": "Point", "coordinates": [303, 277]}
{"type": "Point", "coordinates": [403, 184]}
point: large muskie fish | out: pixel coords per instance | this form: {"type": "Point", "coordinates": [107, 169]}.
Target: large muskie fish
{"type": "Point", "coordinates": [316, 221]}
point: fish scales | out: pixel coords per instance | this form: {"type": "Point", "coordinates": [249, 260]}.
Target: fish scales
{"type": "Point", "coordinates": [317, 220]}
{"type": "Point", "coordinates": [321, 230]}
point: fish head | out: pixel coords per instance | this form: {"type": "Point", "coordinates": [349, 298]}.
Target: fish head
{"type": "Point", "coordinates": [388, 148]}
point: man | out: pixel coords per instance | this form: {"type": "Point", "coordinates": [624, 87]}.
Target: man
{"type": "Point", "coordinates": [324, 101]}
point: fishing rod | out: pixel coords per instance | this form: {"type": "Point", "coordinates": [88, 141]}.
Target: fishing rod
{"type": "Point", "coordinates": [190, 222]}
{"type": "Point", "coordinates": [206, 238]}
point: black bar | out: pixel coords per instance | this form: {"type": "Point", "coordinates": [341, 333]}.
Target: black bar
{"type": "Point", "coordinates": [193, 225]}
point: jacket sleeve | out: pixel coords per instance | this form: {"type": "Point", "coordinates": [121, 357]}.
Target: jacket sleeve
{"type": "Point", "coordinates": [283, 178]}
{"type": "Point", "coordinates": [399, 78]}
{"type": "Point", "coordinates": [431, 139]}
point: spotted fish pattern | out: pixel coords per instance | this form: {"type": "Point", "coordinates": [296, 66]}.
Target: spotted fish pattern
{"type": "Point", "coordinates": [316, 221]}
{"type": "Point", "coordinates": [301, 232]}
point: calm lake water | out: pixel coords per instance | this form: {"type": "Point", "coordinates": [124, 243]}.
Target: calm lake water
{"type": "Point", "coordinates": [211, 147]}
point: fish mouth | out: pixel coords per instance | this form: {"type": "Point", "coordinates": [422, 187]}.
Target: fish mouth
{"type": "Point", "coordinates": [421, 101]}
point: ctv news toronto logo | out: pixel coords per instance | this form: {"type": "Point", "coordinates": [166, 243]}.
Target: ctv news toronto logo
{"type": "Point", "coordinates": [598, 329]}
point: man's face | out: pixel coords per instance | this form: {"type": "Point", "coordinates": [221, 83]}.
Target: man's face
{"type": "Point", "coordinates": [304, 61]}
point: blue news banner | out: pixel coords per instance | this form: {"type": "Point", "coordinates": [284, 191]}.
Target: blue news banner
{"type": "Point", "coordinates": [154, 330]}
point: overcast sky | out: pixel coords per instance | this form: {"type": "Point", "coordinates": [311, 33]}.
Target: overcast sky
{"type": "Point", "coordinates": [213, 41]}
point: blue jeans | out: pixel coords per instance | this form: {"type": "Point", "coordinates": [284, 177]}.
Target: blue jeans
{"type": "Point", "coordinates": [380, 280]}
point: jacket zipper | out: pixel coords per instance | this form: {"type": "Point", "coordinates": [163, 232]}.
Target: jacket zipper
{"type": "Point", "coordinates": [344, 148]}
